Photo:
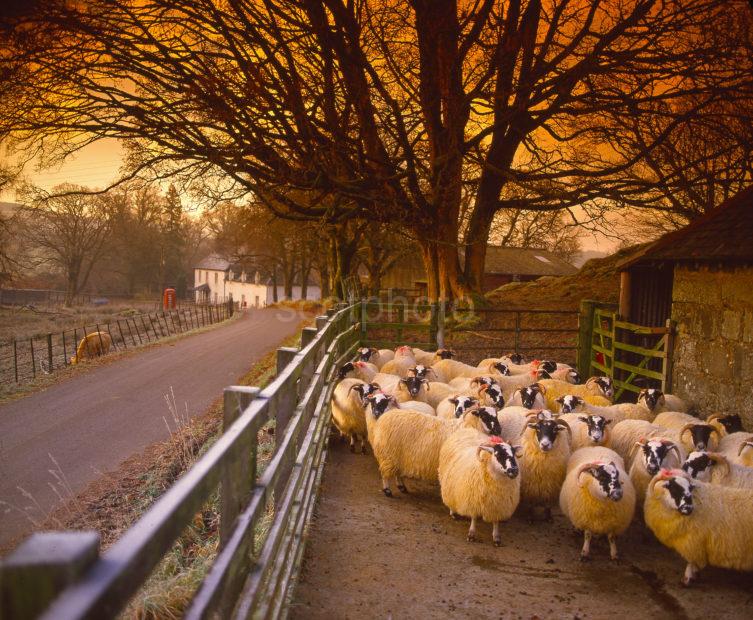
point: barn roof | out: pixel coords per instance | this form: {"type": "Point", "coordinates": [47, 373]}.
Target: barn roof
{"type": "Point", "coordinates": [724, 234]}
{"type": "Point", "coordinates": [215, 262]}
{"type": "Point", "coordinates": [525, 262]}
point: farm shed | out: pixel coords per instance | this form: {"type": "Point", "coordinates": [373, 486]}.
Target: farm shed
{"type": "Point", "coordinates": [701, 277]}
{"type": "Point", "coordinates": [503, 265]}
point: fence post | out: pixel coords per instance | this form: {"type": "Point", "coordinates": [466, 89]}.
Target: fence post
{"type": "Point", "coordinates": [99, 337]}
{"type": "Point", "coordinates": [363, 320]}
{"type": "Point", "coordinates": [15, 359]}
{"type": "Point", "coordinates": [49, 352]}
{"type": "Point", "coordinates": [239, 476]}
{"type": "Point", "coordinates": [307, 335]}
{"type": "Point", "coordinates": [321, 322]}
{"type": "Point", "coordinates": [667, 363]}
{"type": "Point", "coordinates": [146, 329]}
{"type": "Point", "coordinates": [33, 361]}
{"type": "Point", "coordinates": [585, 336]}
{"type": "Point", "coordinates": [440, 324]}
{"type": "Point", "coordinates": [42, 567]}
{"type": "Point", "coordinates": [65, 350]}
{"type": "Point", "coordinates": [122, 337]}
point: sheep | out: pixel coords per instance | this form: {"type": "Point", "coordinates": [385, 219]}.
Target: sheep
{"type": "Point", "coordinates": [513, 421]}
{"type": "Point", "coordinates": [627, 432]}
{"type": "Point", "coordinates": [543, 462]}
{"type": "Point", "coordinates": [704, 523]}
{"type": "Point", "coordinates": [407, 443]}
{"type": "Point", "coordinates": [726, 424]}
{"type": "Point", "coordinates": [521, 369]}
{"type": "Point", "coordinates": [479, 479]}
{"type": "Point", "coordinates": [422, 372]}
{"type": "Point", "coordinates": [716, 468]}
{"type": "Point", "coordinates": [647, 457]}
{"type": "Point", "coordinates": [568, 375]}
{"type": "Point", "coordinates": [409, 388]}
{"type": "Point", "coordinates": [401, 363]}
{"type": "Point", "coordinates": [448, 369]}
{"type": "Point", "coordinates": [91, 346]}
{"type": "Point", "coordinates": [657, 401]}
{"type": "Point", "coordinates": [378, 357]}
{"type": "Point", "coordinates": [588, 431]}
{"type": "Point", "coordinates": [616, 413]}
{"type": "Point", "coordinates": [597, 496]}
{"type": "Point", "coordinates": [427, 358]}
{"type": "Point", "coordinates": [455, 406]}
{"type": "Point", "coordinates": [437, 392]}
{"type": "Point", "coordinates": [596, 391]}
{"type": "Point", "coordinates": [347, 411]}
{"type": "Point", "coordinates": [691, 432]}
{"type": "Point", "coordinates": [738, 448]}
{"type": "Point", "coordinates": [417, 405]}
{"type": "Point", "coordinates": [530, 397]}
{"type": "Point", "coordinates": [365, 371]}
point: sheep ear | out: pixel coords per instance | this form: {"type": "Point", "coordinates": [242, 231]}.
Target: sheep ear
{"type": "Point", "coordinates": [532, 425]}
{"type": "Point", "coordinates": [583, 418]}
{"type": "Point", "coordinates": [607, 421]}
{"type": "Point", "coordinates": [560, 400]}
{"type": "Point", "coordinates": [518, 450]}
{"type": "Point", "coordinates": [453, 400]}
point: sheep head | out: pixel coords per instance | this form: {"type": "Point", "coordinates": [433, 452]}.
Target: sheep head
{"type": "Point", "coordinates": [699, 464]}
{"type": "Point", "coordinates": [606, 476]}
{"type": "Point", "coordinates": [700, 434]}
{"type": "Point", "coordinates": [675, 490]}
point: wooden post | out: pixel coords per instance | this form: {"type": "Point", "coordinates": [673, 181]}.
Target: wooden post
{"type": "Point", "coordinates": [156, 335]}
{"type": "Point", "coordinates": [284, 356]}
{"type": "Point", "coordinates": [624, 308]}
{"type": "Point", "coordinates": [307, 335]}
{"type": "Point", "coordinates": [585, 336]}
{"type": "Point", "coordinates": [239, 476]}
{"type": "Point", "coordinates": [99, 337]}
{"type": "Point", "coordinates": [285, 401]}
{"type": "Point", "coordinates": [33, 361]}
{"type": "Point", "coordinates": [146, 329]}
{"type": "Point", "coordinates": [15, 359]}
{"type": "Point", "coordinates": [440, 324]}
{"type": "Point", "coordinates": [49, 352]}
{"type": "Point", "coordinates": [667, 362]}
{"type": "Point", "coordinates": [321, 322]}
{"type": "Point", "coordinates": [122, 337]}
{"type": "Point", "coordinates": [42, 567]}
{"type": "Point", "coordinates": [180, 325]}
{"type": "Point", "coordinates": [65, 351]}
{"type": "Point", "coordinates": [137, 331]}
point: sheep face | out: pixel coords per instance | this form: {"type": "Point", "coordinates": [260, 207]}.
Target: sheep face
{"type": "Point", "coordinates": [495, 393]}
{"type": "Point", "coordinates": [502, 368]}
{"type": "Point", "coordinates": [365, 353]}
{"type": "Point", "coordinates": [503, 461]}
{"type": "Point", "coordinates": [597, 425]}
{"type": "Point", "coordinates": [701, 434]}
{"type": "Point", "coordinates": [531, 398]}
{"type": "Point", "coordinates": [381, 403]}
{"type": "Point", "coordinates": [573, 376]}
{"type": "Point", "coordinates": [542, 374]}
{"type": "Point", "coordinates": [607, 481]}
{"type": "Point", "coordinates": [655, 452]}
{"type": "Point", "coordinates": [413, 385]}
{"type": "Point", "coordinates": [731, 422]}
{"type": "Point", "coordinates": [516, 358]}
{"type": "Point", "coordinates": [698, 465]}
{"type": "Point", "coordinates": [548, 366]}
{"type": "Point", "coordinates": [606, 386]}
{"type": "Point", "coordinates": [651, 398]}
{"type": "Point", "coordinates": [445, 354]}
{"type": "Point", "coordinates": [421, 371]}
{"type": "Point", "coordinates": [546, 432]}
{"type": "Point", "coordinates": [463, 404]}
{"type": "Point", "coordinates": [489, 421]}
{"type": "Point", "coordinates": [570, 403]}
{"type": "Point", "coordinates": [345, 369]}
{"type": "Point", "coordinates": [676, 492]}
{"type": "Point", "coordinates": [364, 390]}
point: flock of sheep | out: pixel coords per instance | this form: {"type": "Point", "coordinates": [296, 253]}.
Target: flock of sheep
{"type": "Point", "coordinates": [505, 434]}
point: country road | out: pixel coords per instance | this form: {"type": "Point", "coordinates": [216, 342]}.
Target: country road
{"type": "Point", "coordinates": [71, 433]}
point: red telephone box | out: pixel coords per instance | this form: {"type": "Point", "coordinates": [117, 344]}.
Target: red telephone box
{"type": "Point", "coordinates": [169, 299]}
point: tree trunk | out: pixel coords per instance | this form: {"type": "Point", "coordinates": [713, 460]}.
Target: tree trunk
{"type": "Point", "coordinates": [274, 283]}
{"type": "Point", "coordinates": [476, 239]}
{"type": "Point", "coordinates": [305, 272]}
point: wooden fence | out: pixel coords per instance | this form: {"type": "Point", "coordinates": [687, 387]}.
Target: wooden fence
{"type": "Point", "coordinates": [22, 360]}
{"type": "Point", "coordinates": [635, 356]}
{"type": "Point", "coordinates": [62, 575]}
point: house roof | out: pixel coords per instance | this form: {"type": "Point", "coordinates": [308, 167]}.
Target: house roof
{"type": "Point", "coordinates": [525, 262]}
{"type": "Point", "coordinates": [214, 262]}
{"type": "Point", "coordinates": [722, 235]}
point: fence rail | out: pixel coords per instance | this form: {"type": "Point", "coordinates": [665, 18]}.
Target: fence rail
{"type": "Point", "coordinates": [23, 360]}
{"type": "Point", "coordinates": [250, 576]}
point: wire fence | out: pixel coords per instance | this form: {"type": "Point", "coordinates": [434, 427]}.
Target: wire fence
{"type": "Point", "coordinates": [22, 361]}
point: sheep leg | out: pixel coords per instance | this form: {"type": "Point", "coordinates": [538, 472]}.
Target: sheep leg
{"type": "Point", "coordinates": [548, 514]}
{"type": "Point", "coordinates": [363, 444]}
{"type": "Point", "coordinates": [691, 572]}
{"type": "Point", "coordinates": [353, 443]}
{"type": "Point", "coordinates": [472, 530]}
{"type": "Point", "coordinates": [496, 536]}
{"type": "Point", "coordinates": [613, 554]}
{"type": "Point", "coordinates": [386, 487]}
{"type": "Point", "coordinates": [401, 485]}
{"type": "Point", "coordinates": [586, 551]}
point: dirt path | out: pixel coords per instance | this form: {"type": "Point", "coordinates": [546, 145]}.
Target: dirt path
{"type": "Point", "coordinates": [69, 434]}
{"type": "Point", "coordinates": [373, 557]}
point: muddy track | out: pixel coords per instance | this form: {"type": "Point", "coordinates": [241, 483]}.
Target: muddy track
{"type": "Point", "coordinates": [373, 557]}
{"type": "Point", "coordinates": [53, 443]}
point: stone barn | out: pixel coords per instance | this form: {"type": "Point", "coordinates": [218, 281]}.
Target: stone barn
{"type": "Point", "coordinates": [701, 277]}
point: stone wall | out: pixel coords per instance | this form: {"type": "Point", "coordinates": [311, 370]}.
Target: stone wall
{"type": "Point", "coordinates": [713, 356]}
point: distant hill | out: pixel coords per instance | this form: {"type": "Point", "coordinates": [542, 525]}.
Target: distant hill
{"type": "Point", "coordinates": [597, 279]}
{"type": "Point", "coordinates": [581, 258]}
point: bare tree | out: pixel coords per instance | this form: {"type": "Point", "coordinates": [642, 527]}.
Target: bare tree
{"type": "Point", "coordinates": [68, 231]}
{"type": "Point", "coordinates": [383, 111]}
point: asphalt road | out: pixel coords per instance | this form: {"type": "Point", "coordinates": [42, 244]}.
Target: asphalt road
{"type": "Point", "coordinates": [53, 443]}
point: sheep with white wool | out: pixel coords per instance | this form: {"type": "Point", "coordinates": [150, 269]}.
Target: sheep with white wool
{"type": "Point", "coordinates": [595, 391]}
{"type": "Point", "coordinates": [717, 469]}
{"type": "Point", "coordinates": [627, 432]}
{"type": "Point", "coordinates": [657, 401]}
{"type": "Point", "coordinates": [403, 361]}
{"type": "Point", "coordinates": [479, 478]}
{"type": "Point", "coordinates": [588, 430]}
{"type": "Point", "coordinates": [409, 388]}
{"type": "Point", "coordinates": [348, 411]}
{"type": "Point", "coordinates": [513, 421]}
{"type": "Point", "coordinates": [427, 358]}
{"type": "Point", "coordinates": [725, 423]}
{"type": "Point", "coordinates": [597, 496]}
{"type": "Point", "coordinates": [407, 443]}
{"type": "Point", "coordinates": [531, 397]}
{"type": "Point", "coordinates": [365, 371]}
{"type": "Point", "coordinates": [616, 413]}
{"type": "Point", "coordinates": [692, 433]}
{"type": "Point", "coordinates": [738, 448]}
{"type": "Point", "coordinates": [378, 357]}
{"type": "Point", "coordinates": [455, 406]}
{"type": "Point", "coordinates": [417, 405]}
{"type": "Point", "coordinates": [705, 523]}
{"type": "Point", "coordinates": [648, 457]}
{"type": "Point", "coordinates": [543, 462]}
{"type": "Point", "coordinates": [91, 346]}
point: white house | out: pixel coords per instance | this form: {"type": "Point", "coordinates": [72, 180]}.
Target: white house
{"type": "Point", "coordinates": [216, 279]}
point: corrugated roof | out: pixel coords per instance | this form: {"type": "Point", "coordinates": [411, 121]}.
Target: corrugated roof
{"type": "Point", "coordinates": [213, 261]}
{"type": "Point", "coordinates": [724, 234]}
{"type": "Point", "coordinates": [525, 262]}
